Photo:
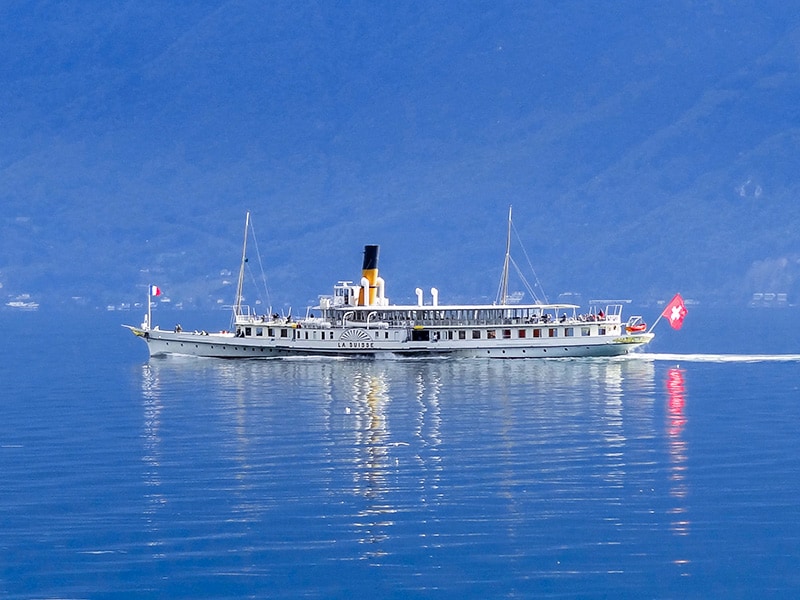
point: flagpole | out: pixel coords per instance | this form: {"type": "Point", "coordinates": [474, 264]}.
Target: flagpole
{"type": "Point", "coordinates": [653, 326]}
{"type": "Point", "coordinates": [149, 317]}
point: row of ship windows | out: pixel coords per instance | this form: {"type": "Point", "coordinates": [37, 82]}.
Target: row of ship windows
{"type": "Point", "coordinates": [286, 333]}
{"type": "Point", "coordinates": [507, 334]}
{"type": "Point", "coordinates": [461, 334]}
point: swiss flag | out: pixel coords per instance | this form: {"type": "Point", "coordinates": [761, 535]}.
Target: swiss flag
{"type": "Point", "coordinates": [675, 312]}
{"type": "Point", "coordinates": [155, 290]}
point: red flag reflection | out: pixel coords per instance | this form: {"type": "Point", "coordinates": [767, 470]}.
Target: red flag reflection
{"type": "Point", "coordinates": [676, 394]}
{"type": "Point", "coordinates": [676, 421]}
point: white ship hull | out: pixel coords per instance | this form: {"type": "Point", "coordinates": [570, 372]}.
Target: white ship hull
{"type": "Point", "coordinates": [228, 345]}
{"type": "Point", "coordinates": [357, 320]}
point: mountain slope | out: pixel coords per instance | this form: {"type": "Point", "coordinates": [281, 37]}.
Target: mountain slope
{"type": "Point", "coordinates": [646, 149]}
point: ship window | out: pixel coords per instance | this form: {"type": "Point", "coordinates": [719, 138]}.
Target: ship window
{"type": "Point", "coordinates": [537, 333]}
{"type": "Point", "coordinates": [601, 331]}
{"type": "Point", "coordinates": [491, 334]}
{"type": "Point", "coordinates": [506, 334]}
{"type": "Point", "coordinates": [284, 333]}
{"type": "Point", "coordinates": [476, 334]}
{"type": "Point", "coordinates": [585, 331]}
{"type": "Point", "coordinates": [248, 331]}
{"type": "Point", "coordinates": [271, 332]}
{"type": "Point", "coordinates": [259, 331]}
{"type": "Point", "coordinates": [552, 332]}
{"type": "Point", "coordinates": [521, 333]}
{"type": "Point", "coordinates": [569, 331]}
{"type": "Point", "coordinates": [462, 335]}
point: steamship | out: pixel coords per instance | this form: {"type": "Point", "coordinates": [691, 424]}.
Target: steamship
{"type": "Point", "coordinates": [357, 320]}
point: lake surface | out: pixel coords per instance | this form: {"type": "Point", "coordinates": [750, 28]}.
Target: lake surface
{"type": "Point", "coordinates": [673, 474]}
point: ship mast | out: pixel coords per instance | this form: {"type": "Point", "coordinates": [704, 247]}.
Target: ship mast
{"type": "Point", "coordinates": [237, 307]}
{"type": "Point", "coordinates": [504, 280]}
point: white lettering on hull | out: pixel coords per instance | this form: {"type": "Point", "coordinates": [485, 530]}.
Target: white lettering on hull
{"type": "Point", "coordinates": [356, 345]}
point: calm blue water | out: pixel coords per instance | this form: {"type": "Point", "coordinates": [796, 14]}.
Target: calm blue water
{"type": "Point", "coordinates": [188, 478]}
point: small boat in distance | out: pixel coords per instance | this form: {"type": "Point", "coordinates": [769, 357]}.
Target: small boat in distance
{"type": "Point", "coordinates": [357, 320]}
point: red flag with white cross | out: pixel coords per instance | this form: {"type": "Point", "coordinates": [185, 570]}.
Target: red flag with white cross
{"type": "Point", "coordinates": [675, 312]}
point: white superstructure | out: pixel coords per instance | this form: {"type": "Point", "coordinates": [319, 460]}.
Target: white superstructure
{"type": "Point", "coordinates": [358, 320]}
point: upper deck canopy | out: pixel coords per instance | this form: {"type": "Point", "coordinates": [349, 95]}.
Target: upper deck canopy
{"type": "Point", "coordinates": [452, 307]}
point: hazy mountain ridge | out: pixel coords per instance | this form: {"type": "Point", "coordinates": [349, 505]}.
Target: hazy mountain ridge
{"type": "Point", "coordinates": [644, 152]}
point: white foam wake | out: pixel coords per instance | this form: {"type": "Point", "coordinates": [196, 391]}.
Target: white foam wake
{"type": "Point", "coordinates": [718, 358]}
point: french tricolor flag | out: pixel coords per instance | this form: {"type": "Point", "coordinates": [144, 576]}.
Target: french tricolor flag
{"type": "Point", "coordinates": [155, 290]}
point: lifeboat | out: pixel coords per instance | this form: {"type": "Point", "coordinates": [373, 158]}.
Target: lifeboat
{"type": "Point", "coordinates": [638, 328]}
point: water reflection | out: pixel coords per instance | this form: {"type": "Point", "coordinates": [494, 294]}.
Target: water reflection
{"type": "Point", "coordinates": [424, 453]}
{"type": "Point", "coordinates": [678, 453]}
{"type": "Point", "coordinates": [152, 407]}
{"type": "Point", "coordinates": [372, 464]}
{"type": "Point", "coordinates": [427, 431]}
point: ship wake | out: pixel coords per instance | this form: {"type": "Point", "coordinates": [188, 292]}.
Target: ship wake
{"type": "Point", "coordinates": [717, 358]}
